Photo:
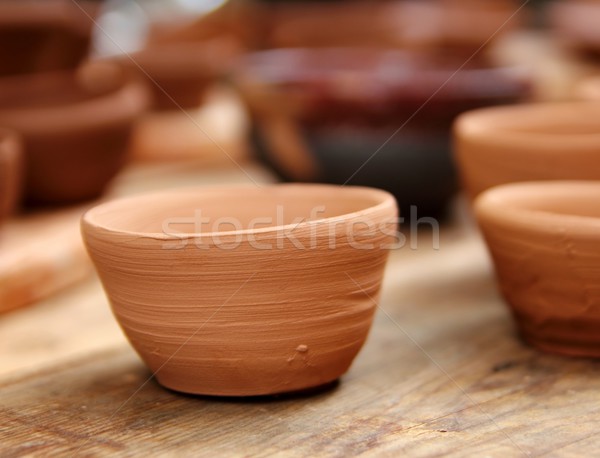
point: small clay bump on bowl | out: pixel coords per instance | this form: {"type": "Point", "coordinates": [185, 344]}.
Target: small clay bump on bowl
{"type": "Point", "coordinates": [544, 238]}
{"type": "Point", "coordinates": [244, 291]}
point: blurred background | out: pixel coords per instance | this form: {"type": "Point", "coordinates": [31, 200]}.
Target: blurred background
{"type": "Point", "coordinates": [106, 98]}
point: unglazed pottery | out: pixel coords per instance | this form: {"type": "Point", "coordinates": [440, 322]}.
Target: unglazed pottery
{"type": "Point", "coordinates": [457, 24]}
{"type": "Point", "coordinates": [180, 73]}
{"type": "Point", "coordinates": [10, 172]}
{"type": "Point", "coordinates": [75, 127]}
{"type": "Point", "coordinates": [528, 142]}
{"type": "Point", "coordinates": [366, 117]}
{"type": "Point", "coordinates": [588, 89]}
{"type": "Point", "coordinates": [244, 291]}
{"type": "Point", "coordinates": [545, 242]}
{"type": "Point", "coordinates": [576, 21]}
{"type": "Point", "coordinates": [43, 35]}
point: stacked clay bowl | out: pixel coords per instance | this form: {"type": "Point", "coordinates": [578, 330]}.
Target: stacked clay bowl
{"type": "Point", "coordinates": [243, 291]}
{"type": "Point", "coordinates": [366, 117]}
{"type": "Point", "coordinates": [528, 142]}
{"type": "Point", "coordinates": [10, 173]}
{"type": "Point", "coordinates": [180, 73]}
{"type": "Point", "coordinates": [44, 35]}
{"type": "Point", "coordinates": [544, 239]}
{"type": "Point", "coordinates": [75, 128]}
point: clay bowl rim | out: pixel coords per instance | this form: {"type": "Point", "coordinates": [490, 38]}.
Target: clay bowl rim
{"type": "Point", "coordinates": [131, 96]}
{"type": "Point", "coordinates": [175, 61]}
{"type": "Point", "coordinates": [501, 204]}
{"type": "Point", "coordinates": [91, 218]}
{"type": "Point", "coordinates": [500, 125]}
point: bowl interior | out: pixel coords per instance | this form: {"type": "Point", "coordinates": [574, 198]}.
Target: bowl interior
{"type": "Point", "coordinates": [232, 209]}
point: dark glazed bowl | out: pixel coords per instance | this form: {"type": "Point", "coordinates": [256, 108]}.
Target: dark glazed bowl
{"type": "Point", "coordinates": [75, 128]}
{"type": "Point", "coordinates": [10, 172]}
{"type": "Point", "coordinates": [43, 35]}
{"type": "Point", "coordinates": [365, 117]}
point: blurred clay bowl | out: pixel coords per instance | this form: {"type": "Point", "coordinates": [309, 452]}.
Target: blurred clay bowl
{"type": "Point", "coordinates": [588, 89]}
{"type": "Point", "coordinates": [75, 128]}
{"type": "Point", "coordinates": [243, 291]}
{"type": "Point", "coordinates": [10, 173]}
{"type": "Point", "coordinates": [576, 22]}
{"type": "Point", "coordinates": [366, 117]}
{"type": "Point", "coordinates": [461, 25]}
{"type": "Point", "coordinates": [214, 134]}
{"type": "Point", "coordinates": [179, 74]}
{"type": "Point", "coordinates": [558, 141]}
{"type": "Point", "coordinates": [44, 35]}
{"type": "Point", "coordinates": [544, 239]}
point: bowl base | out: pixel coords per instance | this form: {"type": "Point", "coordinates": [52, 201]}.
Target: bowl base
{"type": "Point", "coordinates": [573, 349]}
{"type": "Point", "coordinates": [199, 390]}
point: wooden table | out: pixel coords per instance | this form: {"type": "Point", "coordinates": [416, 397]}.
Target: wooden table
{"type": "Point", "coordinates": [442, 373]}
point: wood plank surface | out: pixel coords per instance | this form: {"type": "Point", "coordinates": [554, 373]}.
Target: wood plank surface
{"type": "Point", "coordinates": [442, 373]}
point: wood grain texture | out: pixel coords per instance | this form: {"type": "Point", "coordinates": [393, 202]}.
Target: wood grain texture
{"type": "Point", "coordinates": [469, 387]}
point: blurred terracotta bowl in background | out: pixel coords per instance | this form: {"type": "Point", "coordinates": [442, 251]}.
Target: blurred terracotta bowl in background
{"type": "Point", "coordinates": [577, 22]}
{"type": "Point", "coordinates": [364, 117]}
{"type": "Point", "coordinates": [545, 242]}
{"type": "Point", "coordinates": [529, 142]}
{"type": "Point", "coordinates": [461, 25]}
{"type": "Point", "coordinates": [589, 89]}
{"type": "Point", "coordinates": [10, 172]}
{"type": "Point", "coordinates": [43, 35]}
{"type": "Point", "coordinates": [75, 127]}
{"type": "Point", "coordinates": [180, 73]}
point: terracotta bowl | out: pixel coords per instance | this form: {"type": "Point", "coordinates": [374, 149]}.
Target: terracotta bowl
{"type": "Point", "coordinates": [576, 21]}
{"type": "Point", "coordinates": [244, 291]}
{"type": "Point", "coordinates": [545, 242]}
{"type": "Point", "coordinates": [180, 73]}
{"type": "Point", "coordinates": [589, 89]}
{"type": "Point", "coordinates": [10, 172]}
{"type": "Point", "coordinates": [75, 128]}
{"type": "Point", "coordinates": [365, 117]}
{"type": "Point", "coordinates": [457, 24]}
{"type": "Point", "coordinates": [527, 143]}
{"type": "Point", "coordinates": [43, 35]}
